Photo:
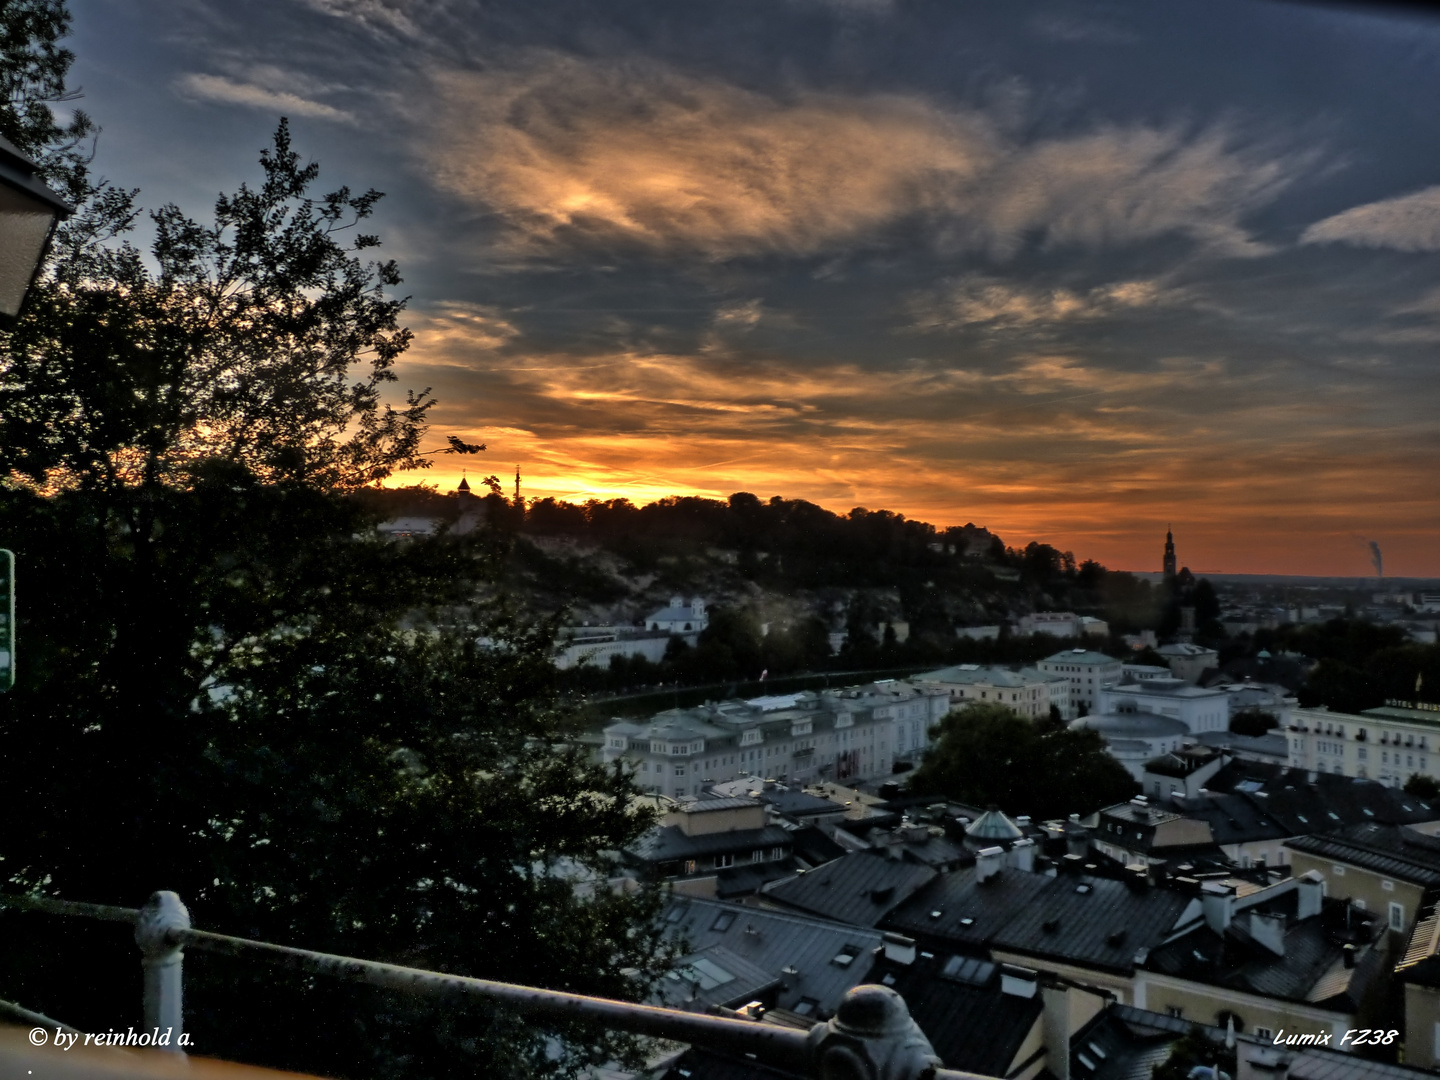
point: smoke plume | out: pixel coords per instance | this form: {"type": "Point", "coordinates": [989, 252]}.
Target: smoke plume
{"type": "Point", "coordinates": [1377, 560]}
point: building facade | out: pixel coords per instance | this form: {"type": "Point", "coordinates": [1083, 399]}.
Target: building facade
{"type": "Point", "coordinates": [852, 734]}
{"type": "Point", "coordinates": [1087, 671]}
{"type": "Point", "coordinates": [1198, 709]}
{"type": "Point", "coordinates": [1389, 744]}
{"type": "Point", "coordinates": [1027, 691]}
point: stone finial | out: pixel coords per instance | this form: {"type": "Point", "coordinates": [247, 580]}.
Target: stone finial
{"type": "Point", "coordinates": [871, 1037]}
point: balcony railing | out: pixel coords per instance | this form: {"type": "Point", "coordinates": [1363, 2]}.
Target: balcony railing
{"type": "Point", "coordinates": [871, 1036]}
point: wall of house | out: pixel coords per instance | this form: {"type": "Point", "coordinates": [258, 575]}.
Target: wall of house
{"type": "Point", "coordinates": [1117, 984]}
{"type": "Point", "coordinates": [1202, 1004]}
{"type": "Point", "coordinates": [1422, 1026]}
{"type": "Point", "coordinates": [1377, 893]}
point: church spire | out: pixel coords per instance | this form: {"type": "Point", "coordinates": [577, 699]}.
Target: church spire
{"type": "Point", "coordinates": [1169, 553]}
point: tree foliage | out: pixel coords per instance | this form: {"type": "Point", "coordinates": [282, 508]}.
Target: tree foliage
{"type": "Point", "coordinates": [985, 753]}
{"type": "Point", "coordinates": [231, 687]}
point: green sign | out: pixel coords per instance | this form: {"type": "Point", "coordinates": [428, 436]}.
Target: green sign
{"type": "Point", "coordinates": [7, 619]}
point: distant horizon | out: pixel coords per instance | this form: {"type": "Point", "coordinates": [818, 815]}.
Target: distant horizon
{"type": "Point", "coordinates": [446, 477]}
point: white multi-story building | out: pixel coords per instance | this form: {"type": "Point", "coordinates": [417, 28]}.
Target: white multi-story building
{"type": "Point", "coordinates": [1028, 691]}
{"type": "Point", "coordinates": [850, 734]}
{"type": "Point", "coordinates": [1062, 624]}
{"type": "Point", "coordinates": [1087, 671]}
{"type": "Point", "coordinates": [1200, 710]}
{"type": "Point", "coordinates": [1390, 744]}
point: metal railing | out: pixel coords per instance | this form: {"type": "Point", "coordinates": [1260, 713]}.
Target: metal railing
{"type": "Point", "coordinates": [870, 1037]}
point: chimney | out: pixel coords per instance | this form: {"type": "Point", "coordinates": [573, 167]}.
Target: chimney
{"type": "Point", "coordinates": [1072, 863]}
{"type": "Point", "coordinates": [988, 863]}
{"type": "Point", "coordinates": [1269, 931]}
{"type": "Point", "coordinates": [1018, 981]}
{"type": "Point", "coordinates": [899, 949]}
{"type": "Point", "coordinates": [1310, 894]}
{"type": "Point", "coordinates": [1261, 1062]}
{"type": "Point", "coordinates": [1218, 903]}
{"type": "Point", "coordinates": [1137, 876]}
{"type": "Point", "coordinates": [1348, 951]}
{"type": "Point", "coordinates": [1022, 855]}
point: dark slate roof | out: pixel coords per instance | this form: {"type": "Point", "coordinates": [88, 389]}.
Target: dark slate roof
{"type": "Point", "coordinates": [1392, 851]}
{"type": "Point", "coordinates": [696, 1064]}
{"type": "Point", "coordinates": [750, 878]}
{"type": "Point", "coordinates": [1110, 1049]}
{"type": "Point", "coordinates": [860, 889]}
{"type": "Point", "coordinates": [972, 1027]}
{"type": "Point", "coordinates": [1312, 969]}
{"type": "Point", "coordinates": [774, 941]}
{"type": "Point", "coordinates": [814, 846]}
{"type": "Point", "coordinates": [1326, 803]}
{"type": "Point", "coordinates": [713, 976]}
{"type": "Point", "coordinates": [799, 804]}
{"type": "Point", "coordinates": [955, 909]}
{"type": "Point", "coordinates": [1093, 922]}
{"type": "Point", "coordinates": [668, 842]}
{"type": "Point", "coordinates": [1233, 819]}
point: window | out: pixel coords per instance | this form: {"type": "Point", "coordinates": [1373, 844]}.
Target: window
{"type": "Point", "coordinates": [1388, 886]}
{"type": "Point", "coordinates": [724, 922]}
{"type": "Point", "coordinates": [1264, 1034]}
{"type": "Point", "coordinates": [691, 866]}
{"type": "Point", "coordinates": [1397, 916]}
{"type": "Point", "coordinates": [679, 770]}
{"type": "Point", "coordinates": [722, 861]}
{"type": "Point", "coordinates": [1177, 1012]}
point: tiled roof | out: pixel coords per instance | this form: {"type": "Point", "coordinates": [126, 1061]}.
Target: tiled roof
{"type": "Point", "coordinates": [1421, 962]}
{"type": "Point", "coordinates": [860, 889]}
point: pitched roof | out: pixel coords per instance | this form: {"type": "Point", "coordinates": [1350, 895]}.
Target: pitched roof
{"type": "Point", "coordinates": [666, 842]}
{"type": "Point", "coordinates": [993, 825]}
{"type": "Point", "coordinates": [1084, 657]}
{"type": "Point", "coordinates": [958, 909]}
{"type": "Point", "coordinates": [1391, 850]}
{"type": "Point", "coordinates": [801, 950]}
{"type": "Point", "coordinates": [1421, 963]}
{"type": "Point", "coordinates": [860, 889]}
{"type": "Point", "coordinates": [1093, 922]}
{"type": "Point", "coordinates": [958, 1003]}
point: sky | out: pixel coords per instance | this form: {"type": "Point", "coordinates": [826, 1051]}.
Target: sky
{"type": "Point", "coordinates": [1073, 271]}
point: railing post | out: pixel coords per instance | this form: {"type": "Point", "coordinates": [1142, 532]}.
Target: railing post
{"type": "Point", "coordinates": [871, 1037]}
{"type": "Point", "coordinates": [161, 960]}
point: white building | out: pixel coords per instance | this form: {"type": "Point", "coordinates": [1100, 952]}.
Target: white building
{"type": "Point", "coordinates": [1087, 671]}
{"type": "Point", "coordinates": [1135, 738]}
{"type": "Point", "coordinates": [1028, 691]}
{"type": "Point", "coordinates": [1199, 709]}
{"type": "Point", "coordinates": [598, 645]}
{"type": "Point", "coordinates": [850, 734]}
{"type": "Point", "coordinates": [1065, 624]}
{"type": "Point", "coordinates": [1188, 661]}
{"type": "Point", "coordinates": [1389, 744]}
{"type": "Point", "coordinates": [679, 617]}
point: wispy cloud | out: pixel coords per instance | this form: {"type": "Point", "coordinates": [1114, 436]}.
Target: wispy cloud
{"type": "Point", "coordinates": [1000, 304]}
{"type": "Point", "coordinates": [228, 91]}
{"type": "Point", "coordinates": [639, 156]}
{"type": "Point", "coordinates": [1404, 223]}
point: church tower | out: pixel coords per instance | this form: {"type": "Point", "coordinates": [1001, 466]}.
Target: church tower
{"type": "Point", "coordinates": [1169, 554]}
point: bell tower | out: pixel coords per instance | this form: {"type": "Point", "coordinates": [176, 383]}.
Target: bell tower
{"type": "Point", "coordinates": [1169, 553]}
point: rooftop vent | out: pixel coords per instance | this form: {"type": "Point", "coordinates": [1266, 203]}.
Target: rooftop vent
{"type": "Point", "coordinates": [1050, 925]}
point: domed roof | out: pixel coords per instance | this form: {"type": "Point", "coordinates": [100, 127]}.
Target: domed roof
{"type": "Point", "coordinates": [993, 825]}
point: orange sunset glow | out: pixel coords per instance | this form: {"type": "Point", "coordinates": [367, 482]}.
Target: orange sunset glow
{"type": "Point", "coordinates": [1068, 275]}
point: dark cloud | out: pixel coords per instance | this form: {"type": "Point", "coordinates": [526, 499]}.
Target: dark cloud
{"type": "Point", "coordinates": [1068, 273]}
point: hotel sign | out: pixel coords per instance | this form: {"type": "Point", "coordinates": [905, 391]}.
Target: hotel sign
{"type": "Point", "coordinates": [1419, 706]}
